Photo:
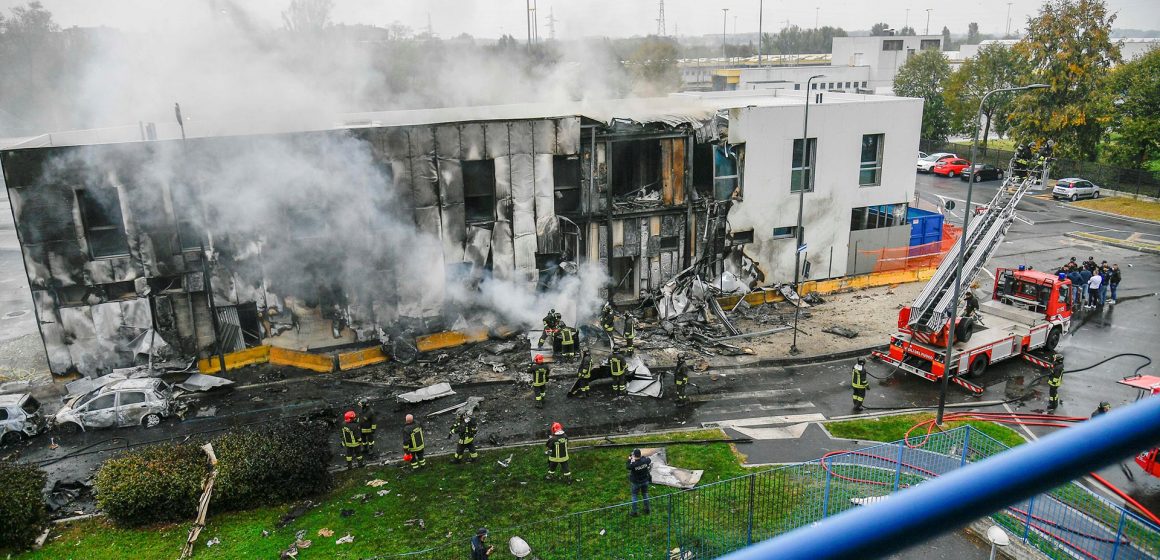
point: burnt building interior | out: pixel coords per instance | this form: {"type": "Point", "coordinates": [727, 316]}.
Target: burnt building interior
{"type": "Point", "coordinates": [361, 230]}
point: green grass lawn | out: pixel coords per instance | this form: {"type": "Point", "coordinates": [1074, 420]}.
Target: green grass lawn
{"type": "Point", "coordinates": [893, 428]}
{"type": "Point", "coordinates": [1123, 206]}
{"type": "Point", "coordinates": [450, 499]}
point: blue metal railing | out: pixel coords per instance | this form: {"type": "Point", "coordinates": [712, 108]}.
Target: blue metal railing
{"type": "Point", "coordinates": [1063, 520]}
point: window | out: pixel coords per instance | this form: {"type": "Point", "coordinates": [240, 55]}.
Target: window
{"type": "Point", "coordinates": [870, 168]}
{"type": "Point", "coordinates": [670, 243]}
{"type": "Point", "coordinates": [929, 44]}
{"type": "Point", "coordinates": [133, 397]}
{"type": "Point", "coordinates": [636, 167]}
{"type": "Point", "coordinates": [566, 179]}
{"type": "Point", "coordinates": [813, 86]}
{"type": "Point", "coordinates": [863, 84]}
{"type": "Point", "coordinates": [726, 171]}
{"type": "Point", "coordinates": [800, 165]}
{"type": "Point", "coordinates": [892, 45]}
{"type": "Point", "coordinates": [874, 217]}
{"type": "Point", "coordinates": [102, 402]}
{"type": "Point", "coordinates": [103, 225]}
{"type": "Point", "coordinates": [479, 190]}
{"type": "Point", "coordinates": [847, 85]}
{"type": "Point", "coordinates": [3, 414]}
{"type": "Point", "coordinates": [741, 237]}
{"type": "Point", "coordinates": [785, 232]}
{"type": "Point", "coordinates": [797, 87]}
{"type": "Point", "coordinates": [30, 406]}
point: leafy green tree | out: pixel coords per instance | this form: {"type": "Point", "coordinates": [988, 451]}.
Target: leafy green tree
{"type": "Point", "coordinates": [947, 43]}
{"type": "Point", "coordinates": [907, 31]}
{"type": "Point", "coordinates": [924, 75]}
{"type": "Point", "coordinates": [880, 29]}
{"type": "Point", "coordinates": [1069, 47]}
{"type": "Point", "coordinates": [996, 66]}
{"type": "Point", "coordinates": [1135, 85]}
{"type": "Point", "coordinates": [795, 40]}
{"type": "Point", "coordinates": [973, 37]}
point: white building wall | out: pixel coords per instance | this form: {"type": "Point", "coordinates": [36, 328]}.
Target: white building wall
{"type": "Point", "coordinates": [867, 51]}
{"type": "Point", "coordinates": [768, 134]}
{"type": "Point", "coordinates": [787, 77]}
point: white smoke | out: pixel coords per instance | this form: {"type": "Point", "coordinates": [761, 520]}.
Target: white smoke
{"type": "Point", "coordinates": [576, 297]}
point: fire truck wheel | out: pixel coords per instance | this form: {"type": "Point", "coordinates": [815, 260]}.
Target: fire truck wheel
{"type": "Point", "coordinates": [978, 366]}
{"type": "Point", "coordinates": [1053, 338]}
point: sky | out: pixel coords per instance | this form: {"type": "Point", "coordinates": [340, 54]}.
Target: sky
{"type": "Point", "coordinates": [614, 18]}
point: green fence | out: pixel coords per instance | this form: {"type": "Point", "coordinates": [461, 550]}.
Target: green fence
{"type": "Point", "coordinates": [714, 519]}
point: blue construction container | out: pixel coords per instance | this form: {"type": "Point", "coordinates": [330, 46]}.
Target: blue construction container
{"type": "Point", "coordinates": [925, 226]}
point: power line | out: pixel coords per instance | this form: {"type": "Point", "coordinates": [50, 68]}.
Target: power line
{"type": "Point", "coordinates": [661, 18]}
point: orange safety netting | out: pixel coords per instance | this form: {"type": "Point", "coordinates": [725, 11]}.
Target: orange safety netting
{"type": "Point", "coordinates": [913, 257]}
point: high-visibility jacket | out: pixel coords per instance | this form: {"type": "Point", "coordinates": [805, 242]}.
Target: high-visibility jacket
{"type": "Point", "coordinates": [539, 375]}
{"type": "Point", "coordinates": [465, 428]}
{"type": "Point", "coordinates": [681, 376]}
{"type": "Point", "coordinates": [629, 327]}
{"type": "Point", "coordinates": [350, 437]}
{"type": "Point", "coordinates": [413, 437]}
{"type": "Point", "coordinates": [616, 365]}
{"type": "Point", "coordinates": [566, 337]}
{"type": "Point", "coordinates": [858, 377]}
{"type": "Point", "coordinates": [366, 420]}
{"type": "Point", "coordinates": [1055, 379]}
{"type": "Point", "coordinates": [585, 371]}
{"type": "Point", "coordinates": [558, 448]}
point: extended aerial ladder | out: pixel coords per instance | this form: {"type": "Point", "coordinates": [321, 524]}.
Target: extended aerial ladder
{"type": "Point", "coordinates": [930, 312]}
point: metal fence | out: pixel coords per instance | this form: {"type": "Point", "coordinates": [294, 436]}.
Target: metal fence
{"type": "Point", "coordinates": [715, 519]}
{"type": "Point", "coordinates": [1137, 182]}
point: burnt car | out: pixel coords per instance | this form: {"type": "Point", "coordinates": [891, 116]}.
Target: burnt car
{"type": "Point", "coordinates": [129, 402]}
{"type": "Point", "coordinates": [20, 417]}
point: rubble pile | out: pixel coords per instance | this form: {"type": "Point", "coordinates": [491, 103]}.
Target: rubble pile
{"type": "Point", "coordinates": [484, 361]}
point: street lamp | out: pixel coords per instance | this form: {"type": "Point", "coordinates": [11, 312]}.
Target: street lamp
{"type": "Point", "coordinates": [724, 23]}
{"type": "Point", "coordinates": [797, 259]}
{"type": "Point", "coordinates": [942, 394]}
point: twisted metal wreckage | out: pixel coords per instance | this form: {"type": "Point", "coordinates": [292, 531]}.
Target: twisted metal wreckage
{"type": "Point", "coordinates": [123, 240]}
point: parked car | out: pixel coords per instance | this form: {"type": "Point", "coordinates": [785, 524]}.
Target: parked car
{"type": "Point", "coordinates": [985, 171]}
{"type": "Point", "coordinates": [129, 402]}
{"type": "Point", "coordinates": [19, 417]}
{"type": "Point", "coordinates": [950, 167]}
{"type": "Point", "coordinates": [1074, 188]}
{"type": "Point", "coordinates": [925, 163]}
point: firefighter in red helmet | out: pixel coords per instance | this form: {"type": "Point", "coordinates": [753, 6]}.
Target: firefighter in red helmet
{"type": "Point", "coordinates": [557, 452]}
{"type": "Point", "coordinates": [540, 372]}
{"type": "Point", "coordinates": [352, 444]}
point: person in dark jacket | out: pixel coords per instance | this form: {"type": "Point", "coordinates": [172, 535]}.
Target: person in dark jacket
{"type": "Point", "coordinates": [367, 425]}
{"type": "Point", "coordinates": [413, 442]}
{"type": "Point", "coordinates": [464, 431]}
{"type": "Point", "coordinates": [1104, 407]}
{"type": "Point", "coordinates": [557, 451]}
{"type": "Point", "coordinates": [639, 477]}
{"type": "Point", "coordinates": [480, 550]}
{"type": "Point", "coordinates": [1077, 287]}
{"type": "Point", "coordinates": [540, 373]}
{"type": "Point", "coordinates": [681, 380]}
{"type": "Point", "coordinates": [583, 375]}
{"type": "Point", "coordinates": [1113, 280]}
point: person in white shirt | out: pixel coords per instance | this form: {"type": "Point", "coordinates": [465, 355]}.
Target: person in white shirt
{"type": "Point", "coordinates": [1094, 290]}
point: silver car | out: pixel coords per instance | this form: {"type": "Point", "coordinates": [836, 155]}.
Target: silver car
{"type": "Point", "coordinates": [1074, 188]}
{"type": "Point", "coordinates": [129, 402]}
{"type": "Point", "coordinates": [19, 417]}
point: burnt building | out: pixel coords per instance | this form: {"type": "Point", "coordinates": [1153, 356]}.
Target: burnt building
{"type": "Point", "coordinates": [381, 222]}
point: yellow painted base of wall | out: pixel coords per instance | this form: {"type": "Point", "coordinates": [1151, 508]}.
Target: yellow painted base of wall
{"type": "Point", "coordinates": [303, 360]}
{"type": "Point", "coordinates": [833, 285]}
{"type": "Point", "coordinates": [448, 339]}
{"type": "Point", "coordinates": [235, 360]}
{"type": "Point", "coordinates": [361, 358]}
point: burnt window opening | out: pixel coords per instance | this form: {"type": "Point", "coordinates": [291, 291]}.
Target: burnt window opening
{"type": "Point", "coordinates": [102, 221]}
{"type": "Point", "coordinates": [670, 243]}
{"type": "Point", "coordinates": [189, 232]}
{"type": "Point", "coordinates": [623, 273]}
{"type": "Point", "coordinates": [120, 291]}
{"type": "Point", "coordinates": [636, 168]}
{"type": "Point", "coordinates": [880, 216]}
{"type": "Point", "coordinates": [741, 237]}
{"type": "Point", "coordinates": [703, 167]}
{"type": "Point", "coordinates": [479, 190]}
{"type": "Point", "coordinates": [566, 181]}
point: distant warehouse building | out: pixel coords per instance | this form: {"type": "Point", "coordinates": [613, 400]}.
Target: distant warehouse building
{"type": "Point", "coordinates": [334, 233]}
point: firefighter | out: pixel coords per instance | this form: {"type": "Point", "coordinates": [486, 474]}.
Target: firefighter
{"type": "Point", "coordinates": [1054, 381]}
{"type": "Point", "coordinates": [1022, 160]}
{"type": "Point", "coordinates": [629, 334]}
{"type": "Point", "coordinates": [681, 379]}
{"type": "Point", "coordinates": [551, 326]}
{"type": "Point", "coordinates": [413, 442]}
{"type": "Point", "coordinates": [367, 425]}
{"type": "Point", "coordinates": [351, 442]}
{"type": "Point", "coordinates": [540, 372]}
{"type": "Point", "coordinates": [557, 451]}
{"type": "Point", "coordinates": [616, 368]}
{"type": "Point", "coordinates": [859, 382]}
{"type": "Point", "coordinates": [971, 304]}
{"type": "Point", "coordinates": [607, 318]}
{"type": "Point", "coordinates": [1104, 407]}
{"type": "Point", "coordinates": [567, 342]}
{"type": "Point", "coordinates": [584, 374]}
{"type": "Point", "coordinates": [464, 430]}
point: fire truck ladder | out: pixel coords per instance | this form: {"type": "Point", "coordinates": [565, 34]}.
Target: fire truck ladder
{"type": "Point", "coordinates": [931, 309]}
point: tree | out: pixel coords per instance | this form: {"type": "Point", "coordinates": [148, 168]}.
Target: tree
{"type": "Point", "coordinates": [924, 75]}
{"type": "Point", "coordinates": [1136, 118]}
{"type": "Point", "coordinates": [795, 40]}
{"type": "Point", "coordinates": [996, 66]}
{"type": "Point", "coordinates": [880, 29]}
{"type": "Point", "coordinates": [307, 15]}
{"type": "Point", "coordinates": [973, 34]}
{"type": "Point", "coordinates": [653, 65]}
{"type": "Point", "coordinates": [947, 43]}
{"type": "Point", "coordinates": [908, 31]}
{"type": "Point", "coordinates": [1070, 49]}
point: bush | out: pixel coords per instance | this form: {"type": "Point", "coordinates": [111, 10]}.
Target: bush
{"type": "Point", "coordinates": [22, 512]}
{"type": "Point", "coordinates": [256, 466]}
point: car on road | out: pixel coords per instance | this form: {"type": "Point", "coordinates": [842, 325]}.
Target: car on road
{"type": "Point", "coordinates": [1074, 188]}
{"type": "Point", "coordinates": [950, 167]}
{"type": "Point", "coordinates": [985, 171]}
{"type": "Point", "coordinates": [927, 162]}
{"type": "Point", "coordinates": [128, 402]}
{"type": "Point", "coordinates": [19, 417]}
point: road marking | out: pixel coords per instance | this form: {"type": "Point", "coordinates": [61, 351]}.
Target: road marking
{"type": "Point", "coordinates": [794, 431]}
{"type": "Point", "coordinates": [1104, 228]}
{"type": "Point", "coordinates": [764, 420]}
{"type": "Point", "coordinates": [746, 395]}
{"type": "Point", "coordinates": [1029, 434]}
{"type": "Point", "coordinates": [989, 273]}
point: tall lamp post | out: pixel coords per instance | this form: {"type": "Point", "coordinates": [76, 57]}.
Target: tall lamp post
{"type": "Point", "coordinates": [942, 393]}
{"type": "Point", "coordinates": [724, 23]}
{"type": "Point", "coordinates": [797, 259]}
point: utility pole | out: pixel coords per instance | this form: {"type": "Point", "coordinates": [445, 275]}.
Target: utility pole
{"type": "Point", "coordinates": [430, 30]}
{"type": "Point", "coordinates": [1008, 33]}
{"type": "Point", "coordinates": [760, 34]}
{"type": "Point", "coordinates": [817, 12]}
{"type": "Point", "coordinates": [800, 246]}
{"type": "Point", "coordinates": [906, 22]}
{"type": "Point", "coordinates": [551, 23]}
{"type": "Point", "coordinates": [724, 22]}
{"type": "Point", "coordinates": [927, 32]}
{"type": "Point", "coordinates": [528, 3]}
{"type": "Point", "coordinates": [661, 18]}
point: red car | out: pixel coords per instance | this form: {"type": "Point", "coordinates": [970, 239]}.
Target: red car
{"type": "Point", "coordinates": [950, 167]}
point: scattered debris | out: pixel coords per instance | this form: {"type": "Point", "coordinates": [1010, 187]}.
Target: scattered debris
{"type": "Point", "coordinates": [206, 412]}
{"type": "Point", "coordinates": [21, 386]}
{"type": "Point", "coordinates": [303, 544]}
{"type": "Point", "coordinates": [295, 512]}
{"type": "Point", "coordinates": [867, 501]}
{"type": "Point", "coordinates": [505, 463]}
{"type": "Point", "coordinates": [428, 393]}
{"type": "Point", "coordinates": [416, 522]}
{"type": "Point", "coordinates": [376, 482]}
{"type": "Point", "coordinates": [791, 296]}
{"type": "Point", "coordinates": [841, 331]}
{"type": "Point", "coordinates": [358, 497]}
{"type": "Point", "coordinates": [813, 298]}
{"type": "Point", "coordinates": [383, 492]}
{"type": "Point", "coordinates": [324, 532]}
{"type": "Point", "coordinates": [213, 542]}
{"type": "Point", "coordinates": [199, 383]}
{"type": "Point", "coordinates": [346, 513]}
{"type": "Point", "coordinates": [65, 491]}
{"type": "Point", "coordinates": [752, 334]}
{"type": "Point", "coordinates": [265, 533]}
{"type": "Point", "coordinates": [470, 404]}
{"type": "Point", "coordinates": [602, 532]}
{"type": "Point", "coordinates": [345, 540]}
{"type": "Point", "coordinates": [301, 534]}
{"type": "Point", "coordinates": [667, 475]}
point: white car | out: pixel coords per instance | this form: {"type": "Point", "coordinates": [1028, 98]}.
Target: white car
{"type": "Point", "coordinates": [925, 164]}
{"type": "Point", "coordinates": [19, 417]}
{"type": "Point", "coordinates": [1073, 188]}
{"type": "Point", "coordinates": [128, 402]}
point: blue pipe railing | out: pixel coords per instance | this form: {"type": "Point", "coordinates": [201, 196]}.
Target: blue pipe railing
{"type": "Point", "coordinates": [977, 490]}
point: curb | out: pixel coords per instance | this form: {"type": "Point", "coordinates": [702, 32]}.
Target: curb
{"type": "Point", "coordinates": [1071, 206]}
{"type": "Point", "coordinates": [819, 358]}
{"type": "Point", "coordinates": [1150, 248]}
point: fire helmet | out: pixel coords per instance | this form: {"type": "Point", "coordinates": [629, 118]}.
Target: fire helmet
{"type": "Point", "coordinates": [557, 427]}
{"type": "Point", "coordinates": [539, 358]}
{"type": "Point", "coordinates": [349, 417]}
